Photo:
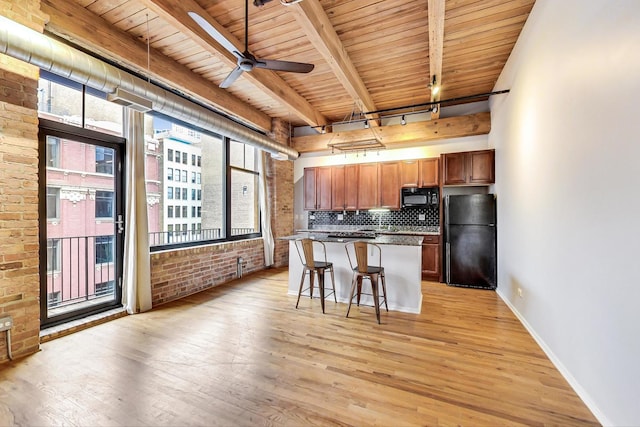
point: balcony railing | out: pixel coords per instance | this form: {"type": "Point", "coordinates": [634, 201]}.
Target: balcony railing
{"type": "Point", "coordinates": [160, 238]}
{"type": "Point", "coordinates": [80, 270]}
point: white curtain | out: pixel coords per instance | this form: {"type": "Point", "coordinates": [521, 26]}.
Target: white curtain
{"type": "Point", "coordinates": [136, 292]}
{"type": "Point", "coordinates": [265, 209]}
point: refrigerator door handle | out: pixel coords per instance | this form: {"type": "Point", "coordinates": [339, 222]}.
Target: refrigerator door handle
{"type": "Point", "coordinates": [448, 261]}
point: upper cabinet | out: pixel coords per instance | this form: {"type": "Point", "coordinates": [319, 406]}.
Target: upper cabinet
{"type": "Point", "coordinates": [469, 168]}
{"type": "Point", "coordinates": [410, 173]}
{"type": "Point", "coordinates": [344, 192]}
{"type": "Point", "coordinates": [368, 195]}
{"type": "Point", "coordinates": [420, 173]}
{"type": "Point", "coordinates": [317, 188]}
{"type": "Point", "coordinates": [389, 185]}
{"type": "Point", "coordinates": [429, 172]}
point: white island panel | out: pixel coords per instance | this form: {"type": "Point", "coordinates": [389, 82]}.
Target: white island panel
{"type": "Point", "coordinates": [403, 270]}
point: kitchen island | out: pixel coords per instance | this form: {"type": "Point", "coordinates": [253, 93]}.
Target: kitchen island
{"type": "Point", "coordinates": [401, 259]}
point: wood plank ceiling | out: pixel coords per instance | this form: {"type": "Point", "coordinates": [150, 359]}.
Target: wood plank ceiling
{"type": "Point", "coordinates": [368, 54]}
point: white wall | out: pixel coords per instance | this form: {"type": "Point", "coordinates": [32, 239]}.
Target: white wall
{"type": "Point", "coordinates": [567, 167]}
{"type": "Point", "coordinates": [419, 151]}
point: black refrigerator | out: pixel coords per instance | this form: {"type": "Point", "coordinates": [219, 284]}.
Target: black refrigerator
{"type": "Point", "coordinates": [470, 241]}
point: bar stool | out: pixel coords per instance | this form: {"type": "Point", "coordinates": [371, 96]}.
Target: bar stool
{"type": "Point", "coordinates": [305, 248]}
{"type": "Point", "coordinates": [362, 270]}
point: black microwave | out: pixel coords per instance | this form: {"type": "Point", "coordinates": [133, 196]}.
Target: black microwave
{"type": "Point", "coordinates": [419, 197]}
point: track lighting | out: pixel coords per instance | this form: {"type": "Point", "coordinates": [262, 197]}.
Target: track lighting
{"type": "Point", "coordinates": [434, 86]}
{"type": "Point", "coordinates": [434, 109]}
{"type": "Point", "coordinates": [366, 124]}
{"type": "Point", "coordinates": [323, 130]}
{"type": "Point", "coordinates": [403, 121]}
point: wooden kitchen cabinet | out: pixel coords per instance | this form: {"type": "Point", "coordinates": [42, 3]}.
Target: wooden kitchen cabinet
{"type": "Point", "coordinates": [368, 194]}
{"type": "Point", "coordinates": [431, 258]}
{"type": "Point", "coordinates": [469, 168]}
{"type": "Point", "coordinates": [317, 188]}
{"type": "Point", "coordinates": [389, 184]}
{"type": "Point", "coordinates": [429, 172]}
{"type": "Point", "coordinates": [344, 191]}
{"type": "Point", "coordinates": [409, 173]}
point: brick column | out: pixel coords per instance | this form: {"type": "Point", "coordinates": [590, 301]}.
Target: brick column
{"type": "Point", "coordinates": [19, 240]}
{"type": "Point", "coordinates": [280, 187]}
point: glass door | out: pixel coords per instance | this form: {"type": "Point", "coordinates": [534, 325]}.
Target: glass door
{"type": "Point", "coordinates": [81, 232]}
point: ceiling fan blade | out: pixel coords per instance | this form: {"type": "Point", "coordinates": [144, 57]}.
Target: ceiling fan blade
{"type": "Point", "coordinates": [272, 64]}
{"type": "Point", "coordinates": [214, 33]}
{"type": "Point", "coordinates": [232, 77]}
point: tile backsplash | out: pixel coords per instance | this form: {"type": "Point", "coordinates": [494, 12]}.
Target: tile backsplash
{"type": "Point", "coordinates": [402, 218]}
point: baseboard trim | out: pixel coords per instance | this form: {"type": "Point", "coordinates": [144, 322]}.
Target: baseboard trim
{"type": "Point", "coordinates": [580, 391]}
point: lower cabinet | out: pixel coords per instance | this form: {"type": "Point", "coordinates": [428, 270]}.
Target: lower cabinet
{"type": "Point", "coordinates": [431, 258]}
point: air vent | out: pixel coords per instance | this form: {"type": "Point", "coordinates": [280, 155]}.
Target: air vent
{"type": "Point", "coordinates": [131, 100]}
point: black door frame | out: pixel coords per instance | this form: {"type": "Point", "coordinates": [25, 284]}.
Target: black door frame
{"type": "Point", "coordinates": [87, 136]}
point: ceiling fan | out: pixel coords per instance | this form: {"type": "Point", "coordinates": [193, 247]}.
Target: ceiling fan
{"type": "Point", "coordinates": [246, 61]}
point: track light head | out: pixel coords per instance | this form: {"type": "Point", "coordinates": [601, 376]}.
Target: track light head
{"type": "Point", "coordinates": [403, 121]}
{"type": "Point", "coordinates": [366, 124]}
{"type": "Point", "coordinates": [323, 130]}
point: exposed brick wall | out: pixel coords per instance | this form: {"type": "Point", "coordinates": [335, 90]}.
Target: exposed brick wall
{"type": "Point", "coordinates": [280, 182]}
{"type": "Point", "coordinates": [178, 273]}
{"type": "Point", "coordinates": [19, 242]}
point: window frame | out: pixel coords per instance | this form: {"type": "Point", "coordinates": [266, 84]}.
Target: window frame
{"type": "Point", "coordinates": [226, 196]}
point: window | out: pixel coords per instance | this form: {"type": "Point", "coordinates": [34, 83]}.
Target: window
{"type": "Point", "coordinates": [53, 152]}
{"type": "Point", "coordinates": [169, 192]}
{"type": "Point", "coordinates": [53, 255]}
{"type": "Point", "coordinates": [193, 211]}
{"type": "Point", "coordinates": [105, 288]}
{"type": "Point", "coordinates": [245, 208]}
{"type": "Point", "coordinates": [169, 212]}
{"type": "Point", "coordinates": [170, 155]}
{"type": "Point", "coordinates": [199, 212]}
{"type": "Point", "coordinates": [104, 204]}
{"type": "Point", "coordinates": [104, 249]}
{"type": "Point", "coordinates": [244, 202]}
{"type": "Point", "coordinates": [200, 147]}
{"type": "Point", "coordinates": [104, 160]}
{"type": "Point", "coordinates": [53, 203]}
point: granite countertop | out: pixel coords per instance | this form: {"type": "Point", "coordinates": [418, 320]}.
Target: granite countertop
{"type": "Point", "coordinates": [381, 239]}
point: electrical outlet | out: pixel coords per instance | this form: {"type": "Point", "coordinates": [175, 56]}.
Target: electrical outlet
{"type": "Point", "coordinates": [6, 323]}
{"type": "Point", "coordinates": [520, 292]}
{"type": "Point", "coordinates": [421, 217]}
{"type": "Point", "coordinates": [340, 217]}
{"type": "Point", "coordinates": [312, 217]}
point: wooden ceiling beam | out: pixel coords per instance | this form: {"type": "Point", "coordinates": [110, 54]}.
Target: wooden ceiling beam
{"type": "Point", "coordinates": [176, 14]}
{"type": "Point", "coordinates": [398, 135]}
{"type": "Point", "coordinates": [70, 21]}
{"type": "Point", "coordinates": [314, 21]}
{"type": "Point", "coordinates": [435, 10]}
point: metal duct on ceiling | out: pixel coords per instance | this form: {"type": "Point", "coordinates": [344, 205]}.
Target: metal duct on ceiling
{"type": "Point", "coordinates": [29, 46]}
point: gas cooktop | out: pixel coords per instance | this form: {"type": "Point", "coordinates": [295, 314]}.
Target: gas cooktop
{"type": "Point", "coordinates": [353, 234]}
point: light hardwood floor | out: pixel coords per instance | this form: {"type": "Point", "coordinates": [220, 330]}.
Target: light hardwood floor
{"type": "Point", "coordinates": [241, 354]}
